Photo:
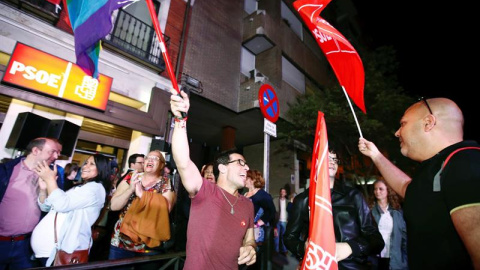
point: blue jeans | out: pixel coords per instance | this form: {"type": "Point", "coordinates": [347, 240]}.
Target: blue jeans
{"type": "Point", "coordinates": [16, 255]}
{"type": "Point", "coordinates": [120, 253]}
{"type": "Point", "coordinates": [279, 246]}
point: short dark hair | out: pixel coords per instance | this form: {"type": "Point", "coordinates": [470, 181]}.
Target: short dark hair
{"type": "Point", "coordinates": [332, 151]}
{"type": "Point", "coordinates": [39, 143]}
{"type": "Point", "coordinates": [222, 158]}
{"type": "Point", "coordinates": [69, 168]}
{"type": "Point", "coordinates": [133, 158]}
{"type": "Point", "coordinates": [286, 187]}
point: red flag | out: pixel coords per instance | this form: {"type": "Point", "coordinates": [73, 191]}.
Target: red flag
{"type": "Point", "coordinates": [55, 2]}
{"type": "Point", "coordinates": [343, 58]}
{"type": "Point", "coordinates": [320, 252]}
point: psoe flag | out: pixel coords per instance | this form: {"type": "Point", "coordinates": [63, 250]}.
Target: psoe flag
{"type": "Point", "coordinates": [341, 55]}
{"type": "Point", "coordinates": [320, 252]}
{"type": "Point", "coordinates": [91, 21]}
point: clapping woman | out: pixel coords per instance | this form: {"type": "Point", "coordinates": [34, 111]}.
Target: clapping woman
{"type": "Point", "coordinates": [145, 201]}
{"type": "Point", "coordinates": [71, 212]}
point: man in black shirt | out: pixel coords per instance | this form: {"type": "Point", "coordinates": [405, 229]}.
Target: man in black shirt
{"type": "Point", "coordinates": [442, 211]}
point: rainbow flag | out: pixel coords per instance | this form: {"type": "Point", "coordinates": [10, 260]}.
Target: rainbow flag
{"type": "Point", "coordinates": [91, 21]}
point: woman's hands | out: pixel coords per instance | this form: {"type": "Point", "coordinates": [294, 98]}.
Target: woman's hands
{"type": "Point", "coordinates": [136, 184]}
{"type": "Point", "coordinates": [47, 177]}
{"type": "Point", "coordinates": [260, 222]}
{"type": "Point", "coordinates": [343, 251]}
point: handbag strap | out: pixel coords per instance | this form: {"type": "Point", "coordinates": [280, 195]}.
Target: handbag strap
{"type": "Point", "coordinates": [55, 229]}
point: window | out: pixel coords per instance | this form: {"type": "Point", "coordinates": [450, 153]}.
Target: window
{"type": "Point", "coordinates": [250, 6]}
{"type": "Point", "coordinates": [293, 76]}
{"type": "Point", "coordinates": [292, 21]}
{"type": "Point", "coordinates": [247, 62]}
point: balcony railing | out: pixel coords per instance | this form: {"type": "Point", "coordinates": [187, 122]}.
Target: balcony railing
{"type": "Point", "coordinates": [130, 36]}
{"type": "Point", "coordinates": [133, 36]}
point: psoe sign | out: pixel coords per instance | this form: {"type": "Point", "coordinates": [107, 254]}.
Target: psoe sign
{"type": "Point", "coordinates": [42, 72]}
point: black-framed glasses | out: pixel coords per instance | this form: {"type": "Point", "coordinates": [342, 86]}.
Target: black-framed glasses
{"type": "Point", "coordinates": [334, 160]}
{"type": "Point", "coordinates": [426, 103]}
{"type": "Point", "coordinates": [240, 161]}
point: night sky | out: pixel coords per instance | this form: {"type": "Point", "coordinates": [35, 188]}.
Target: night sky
{"type": "Point", "coordinates": [436, 49]}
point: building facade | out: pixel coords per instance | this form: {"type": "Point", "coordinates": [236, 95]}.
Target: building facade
{"type": "Point", "coordinates": [136, 115]}
{"type": "Point", "coordinates": [235, 47]}
{"type": "Point", "coordinates": [222, 52]}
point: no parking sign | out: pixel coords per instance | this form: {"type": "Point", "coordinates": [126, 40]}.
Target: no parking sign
{"type": "Point", "coordinates": [268, 101]}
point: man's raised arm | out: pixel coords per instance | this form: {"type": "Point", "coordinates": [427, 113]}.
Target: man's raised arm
{"type": "Point", "coordinates": [191, 178]}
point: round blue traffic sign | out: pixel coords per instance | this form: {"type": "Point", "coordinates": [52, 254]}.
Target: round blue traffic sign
{"type": "Point", "coordinates": [268, 101]}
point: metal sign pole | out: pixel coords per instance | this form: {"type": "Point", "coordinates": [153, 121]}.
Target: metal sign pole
{"type": "Point", "coordinates": [266, 161]}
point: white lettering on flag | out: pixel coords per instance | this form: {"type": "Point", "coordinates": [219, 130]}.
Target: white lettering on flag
{"type": "Point", "coordinates": [318, 258]}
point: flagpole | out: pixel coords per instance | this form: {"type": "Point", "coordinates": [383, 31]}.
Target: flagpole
{"type": "Point", "coordinates": [353, 112]}
{"type": "Point", "coordinates": [163, 48]}
{"type": "Point", "coordinates": [158, 31]}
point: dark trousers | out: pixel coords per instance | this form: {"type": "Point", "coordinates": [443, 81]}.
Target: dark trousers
{"type": "Point", "coordinates": [383, 263]}
{"type": "Point", "coordinates": [16, 255]}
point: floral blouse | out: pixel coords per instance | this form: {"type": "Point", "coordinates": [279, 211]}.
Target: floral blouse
{"type": "Point", "coordinates": [122, 241]}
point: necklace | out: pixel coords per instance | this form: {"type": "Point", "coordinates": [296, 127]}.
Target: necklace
{"type": "Point", "coordinates": [160, 180]}
{"type": "Point", "coordinates": [231, 211]}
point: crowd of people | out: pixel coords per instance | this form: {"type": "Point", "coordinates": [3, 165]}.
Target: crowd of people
{"type": "Point", "coordinates": [428, 221]}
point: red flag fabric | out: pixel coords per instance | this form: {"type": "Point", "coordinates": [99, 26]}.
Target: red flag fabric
{"type": "Point", "coordinates": [320, 252]}
{"type": "Point", "coordinates": [55, 2]}
{"type": "Point", "coordinates": [63, 21]}
{"type": "Point", "coordinates": [341, 55]}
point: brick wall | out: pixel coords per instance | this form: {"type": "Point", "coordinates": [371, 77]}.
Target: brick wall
{"type": "Point", "coordinates": [173, 29]}
{"type": "Point", "coordinates": [213, 50]}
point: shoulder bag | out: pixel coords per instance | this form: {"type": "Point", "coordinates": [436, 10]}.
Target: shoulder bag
{"type": "Point", "coordinates": [64, 258]}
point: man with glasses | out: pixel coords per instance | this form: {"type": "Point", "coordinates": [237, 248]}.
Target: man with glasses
{"type": "Point", "coordinates": [135, 163]}
{"type": "Point", "coordinates": [442, 206]}
{"type": "Point", "coordinates": [356, 232]}
{"type": "Point", "coordinates": [19, 211]}
{"type": "Point", "coordinates": [220, 227]}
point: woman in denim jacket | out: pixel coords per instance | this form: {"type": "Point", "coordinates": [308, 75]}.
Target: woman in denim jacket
{"type": "Point", "coordinates": [389, 217]}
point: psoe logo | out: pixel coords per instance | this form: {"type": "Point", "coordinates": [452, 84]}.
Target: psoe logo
{"type": "Point", "coordinates": [88, 89]}
{"type": "Point", "coordinates": [31, 73]}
